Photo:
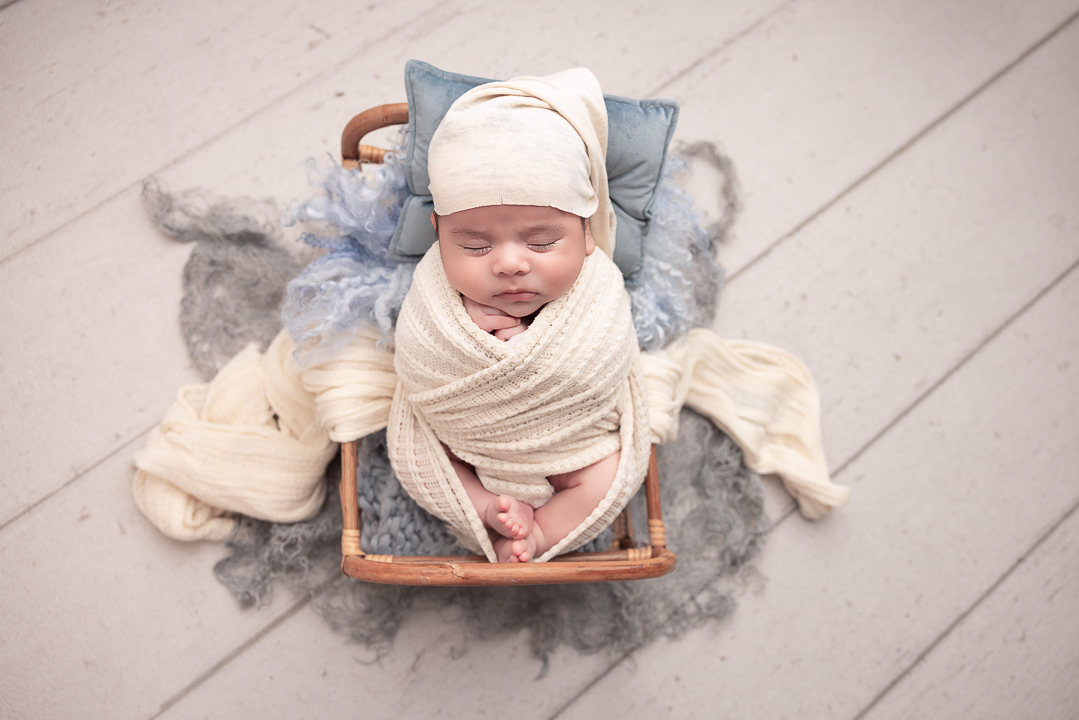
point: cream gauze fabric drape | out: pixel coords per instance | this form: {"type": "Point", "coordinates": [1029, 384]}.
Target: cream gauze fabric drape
{"type": "Point", "coordinates": [209, 460]}
{"type": "Point", "coordinates": [250, 442]}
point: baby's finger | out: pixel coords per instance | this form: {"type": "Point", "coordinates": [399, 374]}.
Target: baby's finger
{"type": "Point", "coordinates": [491, 323]}
{"type": "Point", "coordinates": [507, 333]}
{"type": "Point", "coordinates": [475, 308]}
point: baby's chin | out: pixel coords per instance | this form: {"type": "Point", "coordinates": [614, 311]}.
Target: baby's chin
{"type": "Point", "coordinates": [518, 308]}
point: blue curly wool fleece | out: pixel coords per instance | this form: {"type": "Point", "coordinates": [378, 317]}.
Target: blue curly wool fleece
{"type": "Point", "coordinates": [354, 282]}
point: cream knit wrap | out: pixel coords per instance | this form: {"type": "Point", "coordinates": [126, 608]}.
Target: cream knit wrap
{"type": "Point", "coordinates": [569, 393]}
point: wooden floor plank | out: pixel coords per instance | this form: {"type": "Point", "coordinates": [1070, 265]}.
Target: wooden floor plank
{"type": "Point", "coordinates": [828, 89]}
{"type": "Point", "coordinates": [87, 344]}
{"type": "Point", "coordinates": [1016, 654]}
{"type": "Point", "coordinates": [883, 294]}
{"type": "Point", "coordinates": [103, 617]}
{"type": "Point", "coordinates": [94, 96]}
{"type": "Point", "coordinates": [436, 669]}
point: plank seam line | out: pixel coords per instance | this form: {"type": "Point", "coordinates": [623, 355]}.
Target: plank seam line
{"type": "Point", "coordinates": [79, 475]}
{"type": "Point", "coordinates": [720, 48]}
{"type": "Point", "coordinates": [907, 145]}
{"type": "Point", "coordinates": [210, 140]}
{"type": "Point", "coordinates": [243, 647]}
{"type": "Point", "coordinates": [565, 706]}
{"type": "Point", "coordinates": [966, 613]}
{"type": "Point", "coordinates": [960, 365]}
{"type": "Point", "coordinates": [944, 378]}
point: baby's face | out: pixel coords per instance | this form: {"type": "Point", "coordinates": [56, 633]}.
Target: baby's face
{"type": "Point", "coordinates": [515, 258]}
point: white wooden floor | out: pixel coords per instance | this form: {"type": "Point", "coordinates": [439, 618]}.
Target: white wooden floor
{"type": "Point", "coordinates": [911, 231]}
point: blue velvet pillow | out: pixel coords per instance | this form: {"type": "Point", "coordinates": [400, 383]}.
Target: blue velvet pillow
{"type": "Point", "coordinates": [639, 132]}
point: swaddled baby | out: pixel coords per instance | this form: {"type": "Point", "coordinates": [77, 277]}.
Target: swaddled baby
{"type": "Point", "coordinates": [519, 414]}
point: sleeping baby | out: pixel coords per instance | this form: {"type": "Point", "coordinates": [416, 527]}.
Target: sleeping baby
{"type": "Point", "coordinates": [519, 415]}
{"type": "Point", "coordinates": [518, 412]}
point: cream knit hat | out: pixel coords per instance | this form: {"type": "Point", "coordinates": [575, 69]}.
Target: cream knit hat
{"type": "Point", "coordinates": [527, 141]}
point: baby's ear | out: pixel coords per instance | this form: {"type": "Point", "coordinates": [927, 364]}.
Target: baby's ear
{"type": "Point", "coordinates": [434, 223]}
{"type": "Point", "coordinates": [589, 243]}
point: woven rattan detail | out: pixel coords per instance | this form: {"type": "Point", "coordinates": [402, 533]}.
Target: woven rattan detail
{"type": "Point", "coordinates": [657, 533]}
{"type": "Point", "coordinates": [350, 542]}
{"type": "Point", "coordinates": [371, 154]}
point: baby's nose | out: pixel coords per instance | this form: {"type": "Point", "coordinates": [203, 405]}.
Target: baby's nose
{"type": "Point", "coordinates": [511, 261]}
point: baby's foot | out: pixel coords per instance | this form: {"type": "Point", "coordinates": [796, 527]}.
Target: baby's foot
{"type": "Point", "coordinates": [515, 551]}
{"type": "Point", "coordinates": [509, 517]}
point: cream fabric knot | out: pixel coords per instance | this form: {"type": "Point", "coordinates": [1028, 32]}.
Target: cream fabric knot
{"type": "Point", "coordinates": [248, 442]}
{"type": "Point", "coordinates": [353, 389]}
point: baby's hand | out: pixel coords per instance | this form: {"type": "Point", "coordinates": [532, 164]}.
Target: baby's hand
{"type": "Point", "coordinates": [506, 334]}
{"type": "Point", "coordinates": [493, 320]}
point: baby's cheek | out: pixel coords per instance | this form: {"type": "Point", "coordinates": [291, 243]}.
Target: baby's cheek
{"type": "Point", "coordinates": [566, 273]}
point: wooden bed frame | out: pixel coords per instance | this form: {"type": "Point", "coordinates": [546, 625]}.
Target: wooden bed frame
{"type": "Point", "coordinates": [626, 559]}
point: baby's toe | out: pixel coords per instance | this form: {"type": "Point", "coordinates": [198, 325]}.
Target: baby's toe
{"type": "Point", "coordinates": [520, 551]}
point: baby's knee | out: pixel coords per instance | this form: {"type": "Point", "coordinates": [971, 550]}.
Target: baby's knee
{"type": "Point", "coordinates": [598, 476]}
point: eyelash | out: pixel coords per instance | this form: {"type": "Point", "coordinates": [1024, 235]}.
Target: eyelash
{"type": "Point", "coordinates": [478, 251]}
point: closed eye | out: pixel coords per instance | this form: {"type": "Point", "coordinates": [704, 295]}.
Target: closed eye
{"type": "Point", "coordinates": [476, 250]}
{"type": "Point", "coordinates": [543, 247]}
